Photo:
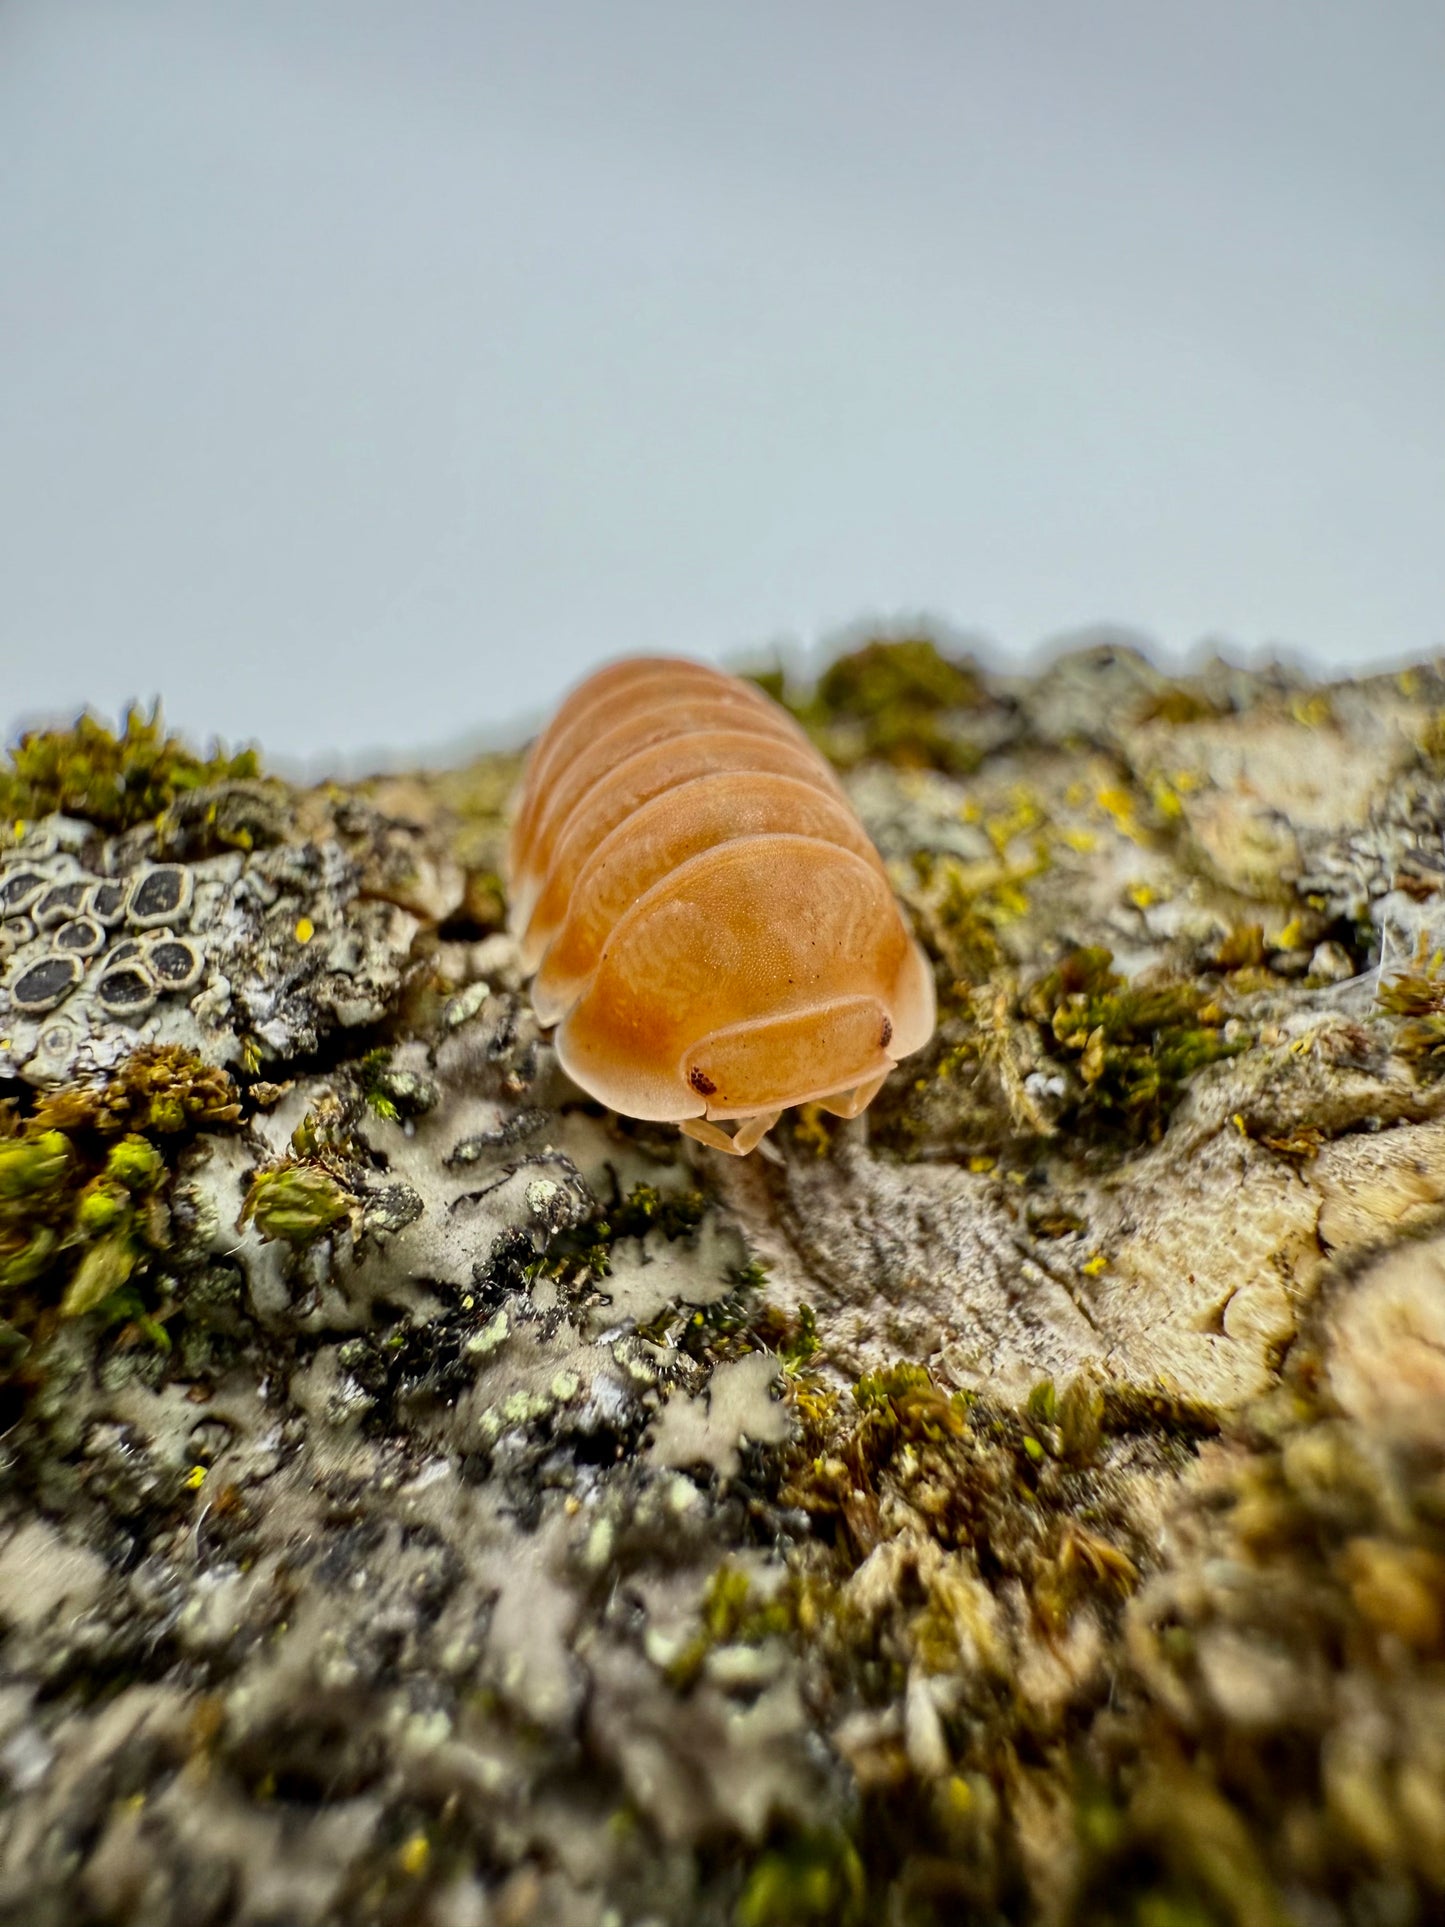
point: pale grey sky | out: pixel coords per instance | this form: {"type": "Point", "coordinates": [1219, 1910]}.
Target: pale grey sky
{"type": "Point", "coordinates": [367, 371]}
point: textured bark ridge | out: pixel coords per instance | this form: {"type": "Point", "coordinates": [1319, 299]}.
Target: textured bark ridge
{"type": "Point", "coordinates": [427, 1498]}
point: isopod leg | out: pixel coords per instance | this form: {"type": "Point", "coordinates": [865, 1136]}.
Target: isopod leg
{"type": "Point", "coordinates": [751, 1132]}
{"type": "Point", "coordinates": [748, 1136]}
{"type": "Point", "coordinates": [853, 1103]}
{"type": "Point", "coordinates": [710, 1134]}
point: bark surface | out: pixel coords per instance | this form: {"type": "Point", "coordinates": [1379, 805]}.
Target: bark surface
{"type": "Point", "coordinates": [425, 1497]}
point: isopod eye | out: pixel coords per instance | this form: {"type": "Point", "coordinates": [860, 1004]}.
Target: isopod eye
{"type": "Point", "coordinates": [701, 1082]}
{"type": "Point", "coordinates": [887, 1037]}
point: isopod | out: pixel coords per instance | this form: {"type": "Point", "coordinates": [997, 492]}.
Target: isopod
{"type": "Point", "coordinates": [710, 928]}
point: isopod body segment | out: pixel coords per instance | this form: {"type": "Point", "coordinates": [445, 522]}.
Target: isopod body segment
{"type": "Point", "coordinates": [710, 928]}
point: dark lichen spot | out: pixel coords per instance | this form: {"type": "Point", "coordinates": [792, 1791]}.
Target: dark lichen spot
{"type": "Point", "coordinates": [81, 937]}
{"type": "Point", "coordinates": [161, 896]}
{"type": "Point", "coordinates": [173, 963]}
{"type": "Point", "coordinates": [107, 902]}
{"type": "Point", "coordinates": [42, 986]}
{"type": "Point", "coordinates": [19, 889]}
{"type": "Point", "coordinates": [61, 902]}
{"type": "Point", "coordinates": [126, 991]}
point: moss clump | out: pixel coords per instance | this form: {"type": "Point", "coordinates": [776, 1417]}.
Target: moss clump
{"type": "Point", "coordinates": [296, 1201]}
{"type": "Point", "coordinates": [1319, 1558]}
{"type": "Point", "coordinates": [83, 1214]}
{"type": "Point", "coordinates": [391, 1092]}
{"type": "Point", "coordinates": [909, 672]}
{"type": "Point", "coordinates": [1266, 1736]}
{"type": "Point", "coordinates": [1133, 1046]}
{"type": "Point", "coordinates": [1417, 998]}
{"type": "Point", "coordinates": [1178, 704]}
{"type": "Point", "coordinates": [894, 702]}
{"type": "Point", "coordinates": [160, 1088]}
{"type": "Point", "coordinates": [953, 1504]}
{"type": "Point", "coordinates": [816, 1877]}
{"type": "Point", "coordinates": [115, 780]}
{"type": "Point", "coordinates": [36, 1180]}
{"type": "Point", "coordinates": [74, 1233]}
{"type": "Point", "coordinates": [122, 1212]}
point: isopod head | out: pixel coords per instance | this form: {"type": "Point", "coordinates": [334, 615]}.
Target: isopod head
{"type": "Point", "coordinates": [715, 936]}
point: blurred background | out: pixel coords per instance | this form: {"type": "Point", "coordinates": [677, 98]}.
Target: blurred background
{"type": "Point", "coordinates": [368, 372]}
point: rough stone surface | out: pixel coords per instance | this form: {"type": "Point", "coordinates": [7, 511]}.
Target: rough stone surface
{"type": "Point", "coordinates": [426, 1498]}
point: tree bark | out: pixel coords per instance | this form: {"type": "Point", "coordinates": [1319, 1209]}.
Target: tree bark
{"type": "Point", "coordinates": [429, 1498]}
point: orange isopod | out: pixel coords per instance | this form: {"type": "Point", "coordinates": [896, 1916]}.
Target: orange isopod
{"type": "Point", "coordinates": [711, 930]}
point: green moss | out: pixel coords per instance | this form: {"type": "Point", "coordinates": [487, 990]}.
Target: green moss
{"type": "Point", "coordinates": [136, 1164]}
{"type": "Point", "coordinates": [84, 1221]}
{"type": "Point", "coordinates": [1417, 998]}
{"type": "Point", "coordinates": [1017, 1508]}
{"type": "Point", "coordinates": [1134, 1046]}
{"type": "Point", "coordinates": [1177, 705]}
{"type": "Point", "coordinates": [104, 1267]}
{"type": "Point", "coordinates": [161, 1089]}
{"type": "Point", "coordinates": [731, 1613]}
{"type": "Point", "coordinates": [113, 780]}
{"type": "Point", "coordinates": [372, 1073]}
{"type": "Point", "coordinates": [100, 1210]}
{"type": "Point", "coordinates": [909, 672]}
{"type": "Point", "coordinates": [34, 1166]}
{"type": "Point", "coordinates": [891, 701]}
{"type": "Point", "coordinates": [815, 1878]}
{"type": "Point", "coordinates": [296, 1202]}
{"type": "Point", "coordinates": [731, 1610]}
{"type": "Point", "coordinates": [484, 901]}
{"type": "Point", "coordinates": [645, 1209]}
